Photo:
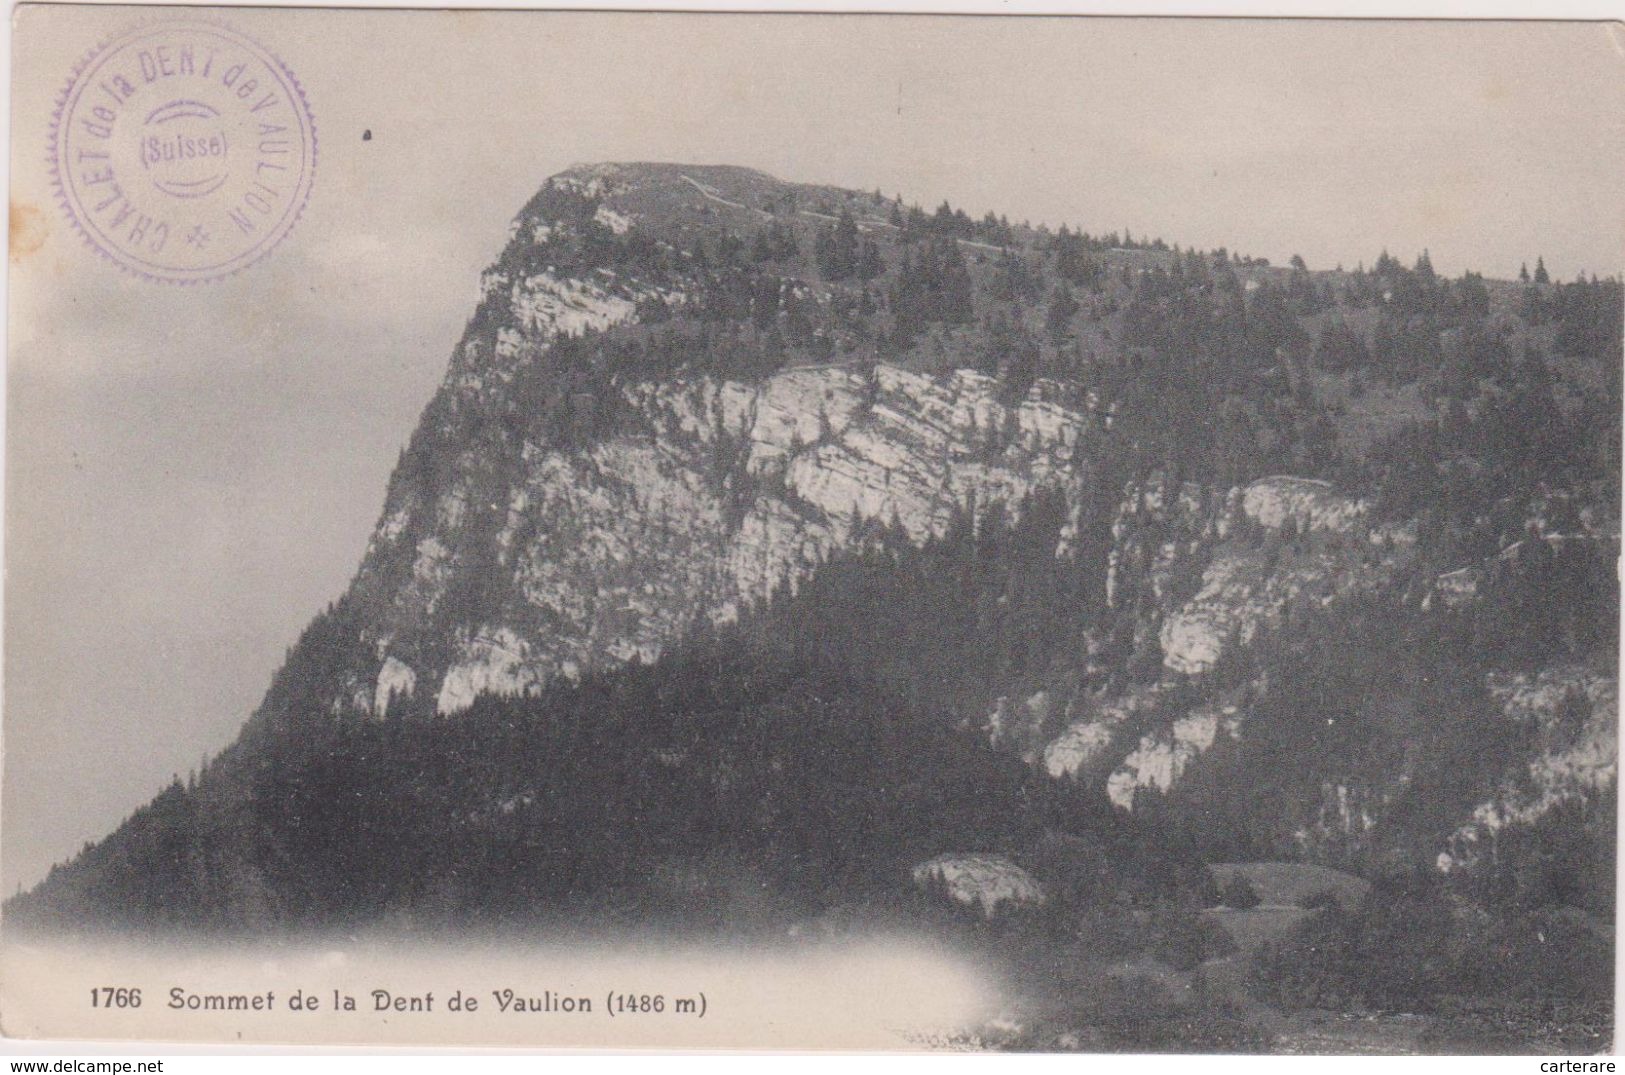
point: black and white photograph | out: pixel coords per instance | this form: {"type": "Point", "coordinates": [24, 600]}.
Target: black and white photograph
{"type": "Point", "coordinates": [818, 532]}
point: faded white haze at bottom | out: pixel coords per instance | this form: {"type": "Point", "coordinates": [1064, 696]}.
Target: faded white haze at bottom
{"type": "Point", "coordinates": [193, 472]}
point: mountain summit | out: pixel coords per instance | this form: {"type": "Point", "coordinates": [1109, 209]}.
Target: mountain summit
{"type": "Point", "coordinates": [796, 539]}
{"type": "Point", "coordinates": [665, 409]}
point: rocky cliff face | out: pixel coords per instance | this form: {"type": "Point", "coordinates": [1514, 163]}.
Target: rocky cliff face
{"type": "Point", "coordinates": [1206, 573]}
{"type": "Point", "coordinates": [527, 537]}
{"type": "Point", "coordinates": [1572, 715]}
{"type": "Point", "coordinates": [712, 493]}
{"type": "Point", "coordinates": [734, 491]}
{"type": "Point", "coordinates": [608, 554]}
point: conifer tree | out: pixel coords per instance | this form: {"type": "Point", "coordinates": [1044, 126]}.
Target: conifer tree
{"type": "Point", "coordinates": [1062, 309]}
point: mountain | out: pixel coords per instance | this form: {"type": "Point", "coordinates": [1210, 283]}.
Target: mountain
{"type": "Point", "coordinates": [817, 537]}
{"type": "Point", "coordinates": [572, 504]}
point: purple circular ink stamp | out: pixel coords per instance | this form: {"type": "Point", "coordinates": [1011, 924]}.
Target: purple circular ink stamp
{"type": "Point", "coordinates": [183, 150]}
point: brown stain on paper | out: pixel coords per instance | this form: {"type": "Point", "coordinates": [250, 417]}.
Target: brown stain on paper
{"type": "Point", "coordinates": [28, 230]}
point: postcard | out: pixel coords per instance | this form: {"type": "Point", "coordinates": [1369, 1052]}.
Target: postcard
{"type": "Point", "coordinates": [593, 530]}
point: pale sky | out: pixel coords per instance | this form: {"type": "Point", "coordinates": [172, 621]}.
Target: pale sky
{"type": "Point", "coordinates": [193, 472]}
